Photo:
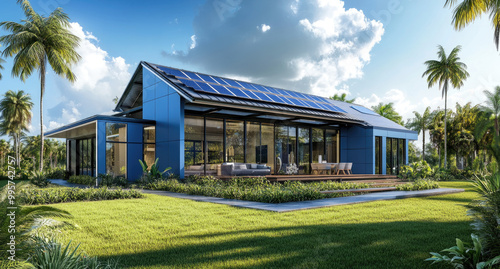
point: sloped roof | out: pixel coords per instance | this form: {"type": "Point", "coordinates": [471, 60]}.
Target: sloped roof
{"type": "Point", "coordinates": [197, 87]}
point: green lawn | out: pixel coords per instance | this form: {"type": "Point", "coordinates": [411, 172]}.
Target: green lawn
{"type": "Point", "coordinates": [4, 182]}
{"type": "Point", "coordinates": [164, 232]}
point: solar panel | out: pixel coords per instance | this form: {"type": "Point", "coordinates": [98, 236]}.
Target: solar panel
{"type": "Point", "coordinates": [229, 87]}
{"type": "Point", "coordinates": [364, 110]}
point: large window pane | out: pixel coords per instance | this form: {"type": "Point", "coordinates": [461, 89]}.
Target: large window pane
{"type": "Point", "coordinates": [234, 141]}
{"type": "Point", "coordinates": [281, 152]}
{"type": "Point", "coordinates": [394, 156]}
{"type": "Point", "coordinates": [303, 151]}
{"type": "Point", "coordinates": [292, 146]}
{"type": "Point", "coordinates": [253, 154]}
{"type": "Point", "coordinates": [149, 154]}
{"type": "Point", "coordinates": [116, 132]}
{"type": "Point", "coordinates": [378, 155]}
{"type": "Point", "coordinates": [266, 149]}
{"type": "Point", "coordinates": [193, 145]}
{"type": "Point", "coordinates": [388, 156]}
{"type": "Point", "coordinates": [332, 144]}
{"type": "Point", "coordinates": [401, 152]}
{"type": "Point", "coordinates": [215, 140]}
{"type": "Point", "coordinates": [318, 145]}
{"type": "Point", "coordinates": [149, 134]}
{"type": "Point", "coordinates": [116, 159]}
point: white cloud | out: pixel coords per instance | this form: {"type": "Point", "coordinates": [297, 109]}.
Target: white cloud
{"type": "Point", "coordinates": [193, 42]}
{"type": "Point", "coordinates": [315, 46]}
{"type": "Point", "coordinates": [264, 28]}
{"type": "Point", "coordinates": [100, 78]}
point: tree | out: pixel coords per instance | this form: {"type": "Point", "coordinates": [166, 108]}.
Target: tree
{"type": "Point", "coordinates": [15, 114]}
{"type": "Point", "coordinates": [1, 66]}
{"type": "Point", "coordinates": [468, 10]}
{"type": "Point", "coordinates": [37, 41]}
{"type": "Point", "coordinates": [387, 111]}
{"type": "Point", "coordinates": [420, 124]}
{"type": "Point", "coordinates": [446, 70]}
{"type": "Point", "coordinates": [4, 149]}
{"type": "Point", "coordinates": [462, 140]}
{"type": "Point", "coordinates": [436, 131]}
{"type": "Point", "coordinates": [343, 98]}
{"type": "Point", "coordinates": [492, 108]}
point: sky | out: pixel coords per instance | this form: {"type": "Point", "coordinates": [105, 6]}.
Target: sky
{"type": "Point", "coordinates": [372, 50]}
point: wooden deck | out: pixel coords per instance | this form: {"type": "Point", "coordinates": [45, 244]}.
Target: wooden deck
{"type": "Point", "coordinates": [340, 178]}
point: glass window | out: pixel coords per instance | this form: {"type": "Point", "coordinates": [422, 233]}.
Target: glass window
{"type": "Point", "coordinates": [253, 154]}
{"type": "Point", "coordinates": [215, 149]}
{"type": "Point", "coordinates": [388, 156]}
{"type": "Point", "coordinates": [149, 154]}
{"type": "Point", "coordinates": [193, 145]}
{"type": "Point", "coordinates": [116, 159]}
{"type": "Point", "coordinates": [401, 152]}
{"type": "Point", "coordinates": [318, 145]}
{"type": "Point", "coordinates": [267, 145]}
{"type": "Point", "coordinates": [234, 141]}
{"type": "Point", "coordinates": [332, 146]}
{"type": "Point", "coordinates": [394, 156]}
{"type": "Point", "coordinates": [303, 151]}
{"type": "Point", "coordinates": [281, 153]}
{"type": "Point", "coordinates": [378, 155]}
{"type": "Point", "coordinates": [116, 132]}
{"type": "Point", "coordinates": [149, 134]}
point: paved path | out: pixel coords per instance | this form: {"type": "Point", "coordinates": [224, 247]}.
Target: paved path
{"type": "Point", "coordinates": [293, 206]}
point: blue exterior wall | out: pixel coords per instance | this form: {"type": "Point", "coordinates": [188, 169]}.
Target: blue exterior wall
{"type": "Point", "coordinates": [101, 147]}
{"type": "Point", "coordinates": [357, 145]}
{"type": "Point", "coordinates": [164, 105]}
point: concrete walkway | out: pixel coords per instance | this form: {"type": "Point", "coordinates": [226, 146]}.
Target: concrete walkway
{"type": "Point", "coordinates": [293, 206]}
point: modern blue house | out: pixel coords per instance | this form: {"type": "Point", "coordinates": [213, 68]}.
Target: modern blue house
{"type": "Point", "coordinates": [195, 122]}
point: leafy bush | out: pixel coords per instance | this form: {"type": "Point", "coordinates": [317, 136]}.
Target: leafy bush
{"type": "Point", "coordinates": [58, 173]}
{"type": "Point", "coordinates": [465, 256]}
{"type": "Point", "coordinates": [416, 170]}
{"type": "Point", "coordinates": [111, 180]}
{"type": "Point", "coordinates": [153, 171]}
{"type": "Point", "coordinates": [418, 185]}
{"type": "Point", "coordinates": [257, 189]}
{"type": "Point", "coordinates": [35, 196]}
{"type": "Point", "coordinates": [442, 175]}
{"type": "Point", "coordinates": [82, 179]}
{"type": "Point", "coordinates": [49, 253]}
{"type": "Point", "coordinates": [39, 179]}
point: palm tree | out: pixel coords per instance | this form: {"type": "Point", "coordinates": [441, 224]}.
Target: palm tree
{"type": "Point", "coordinates": [468, 10]}
{"type": "Point", "coordinates": [4, 149]}
{"type": "Point", "coordinates": [419, 124]}
{"type": "Point", "coordinates": [1, 66]}
{"type": "Point", "coordinates": [343, 98]}
{"type": "Point", "coordinates": [492, 108]}
{"type": "Point", "coordinates": [387, 111]}
{"type": "Point", "coordinates": [436, 131]}
{"type": "Point", "coordinates": [446, 70]}
{"type": "Point", "coordinates": [15, 113]}
{"type": "Point", "coordinates": [37, 41]}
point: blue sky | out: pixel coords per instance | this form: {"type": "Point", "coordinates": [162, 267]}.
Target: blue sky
{"type": "Point", "coordinates": [373, 50]}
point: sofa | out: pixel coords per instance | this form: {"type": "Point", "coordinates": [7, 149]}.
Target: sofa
{"type": "Point", "coordinates": [213, 170]}
{"type": "Point", "coordinates": [245, 169]}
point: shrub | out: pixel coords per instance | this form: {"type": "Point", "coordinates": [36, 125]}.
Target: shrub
{"type": "Point", "coordinates": [58, 173]}
{"type": "Point", "coordinates": [49, 253]}
{"type": "Point", "coordinates": [418, 185]}
{"type": "Point", "coordinates": [465, 256]}
{"type": "Point", "coordinates": [111, 180]}
{"type": "Point", "coordinates": [39, 179]}
{"type": "Point", "coordinates": [153, 171]}
{"type": "Point", "coordinates": [82, 179]}
{"type": "Point", "coordinates": [416, 170]}
{"type": "Point", "coordinates": [442, 175]}
{"type": "Point", "coordinates": [34, 196]}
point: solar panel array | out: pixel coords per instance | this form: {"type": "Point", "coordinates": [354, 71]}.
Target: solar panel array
{"type": "Point", "coordinates": [364, 110]}
{"type": "Point", "coordinates": [234, 88]}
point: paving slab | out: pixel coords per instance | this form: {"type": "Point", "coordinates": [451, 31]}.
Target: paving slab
{"type": "Point", "coordinates": [293, 206]}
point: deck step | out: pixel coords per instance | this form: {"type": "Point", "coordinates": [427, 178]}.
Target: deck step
{"type": "Point", "coordinates": [362, 190]}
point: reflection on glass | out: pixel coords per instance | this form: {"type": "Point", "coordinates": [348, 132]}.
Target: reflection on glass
{"type": "Point", "coordinates": [116, 159]}
{"type": "Point", "coordinates": [193, 145]}
{"type": "Point", "coordinates": [267, 146]}
{"type": "Point", "coordinates": [149, 154]}
{"type": "Point", "coordinates": [318, 145]}
{"type": "Point", "coordinates": [394, 156]}
{"type": "Point", "coordinates": [234, 141]}
{"type": "Point", "coordinates": [332, 150]}
{"type": "Point", "coordinates": [149, 134]}
{"type": "Point", "coordinates": [388, 156]}
{"type": "Point", "coordinates": [378, 155]}
{"type": "Point", "coordinates": [215, 140]}
{"type": "Point", "coordinates": [253, 153]}
{"type": "Point", "coordinates": [303, 151]}
{"type": "Point", "coordinates": [116, 132]}
{"type": "Point", "coordinates": [281, 153]}
{"type": "Point", "coordinates": [401, 154]}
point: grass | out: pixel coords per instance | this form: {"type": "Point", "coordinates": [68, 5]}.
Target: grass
{"type": "Point", "coordinates": [165, 232]}
{"type": "Point", "coordinates": [4, 182]}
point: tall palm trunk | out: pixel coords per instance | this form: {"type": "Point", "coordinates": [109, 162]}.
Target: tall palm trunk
{"type": "Point", "coordinates": [42, 90]}
{"type": "Point", "coordinates": [445, 113]}
{"type": "Point", "coordinates": [423, 144]}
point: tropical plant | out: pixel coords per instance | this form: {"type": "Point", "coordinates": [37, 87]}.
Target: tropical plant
{"type": "Point", "coordinates": [486, 213]}
{"type": "Point", "coordinates": [468, 10]}
{"type": "Point", "coordinates": [489, 121]}
{"type": "Point", "coordinates": [465, 256]}
{"type": "Point", "coordinates": [342, 98]}
{"type": "Point", "coordinates": [39, 179]}
{"type": "Point", "coordinates": [15, 114]}
{"type": "Point", "coordinates": [153, 171]}
{"type": "Point", "coordinates": [4, 149]}
{"type": "Point", "coordinates": [446, 70]}
{"type": "Point", "coordinates": [39, 40]}
{"type": "Point", "coordinates": [461, 136]}
{"type": "Point", "coordinates": [420, 124]}
{"type": "Point", "coordinates": [388, 111]}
